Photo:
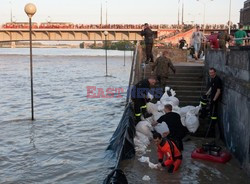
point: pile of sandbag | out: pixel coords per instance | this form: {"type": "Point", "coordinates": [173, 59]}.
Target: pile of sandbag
{"type": "Point", "coordinates": [188, 115]}
{"type": "Point", "coordinates": [143, 136]}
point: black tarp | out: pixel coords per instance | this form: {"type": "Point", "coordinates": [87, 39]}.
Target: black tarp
{"type": "Point", "coordinates": [122, 145]}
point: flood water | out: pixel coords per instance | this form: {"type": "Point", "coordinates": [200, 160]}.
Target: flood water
{"type": "Point", "coordinates": [66, 143]}
{"type": "Point", "coordinates": [191, 171]}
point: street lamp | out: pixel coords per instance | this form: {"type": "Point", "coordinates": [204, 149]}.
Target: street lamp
{"type": "Point", "coordinates": [125, 46]}
{"type": "Point", "coordinates": [11, 20]}
{"type": "Point", "coordinates": [204, 13]}
{"type": "Point", "coordinates": [193, 17]}
{"type": "Point", "coordinates": [106, 51]}
{"type": "Point", "coordinates": [229, 22]}
{"type": "Point", "coordinates": [30, 10]}
{"type": "Point", "coordinates": [178, 12]}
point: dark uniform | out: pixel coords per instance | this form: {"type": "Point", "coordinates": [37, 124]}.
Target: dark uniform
{"type": "Point", "coordinates": [139, 96]}
{"type": "Point", "coordinates": [162, 65]}
{"type": "Point", "coordinates": [149, 41]}
{"type": "Point", "coordinates": [176, 129]}
{"type": "Point", "coordinates": [215, 83]}
{"type": "Point", "coordinates": [182, 43]}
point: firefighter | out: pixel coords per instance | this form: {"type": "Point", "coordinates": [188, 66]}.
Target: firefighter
{"type": "Point", "coordinates": [215, 93]}
{"type": "Point", "coordinates": [139, 96]}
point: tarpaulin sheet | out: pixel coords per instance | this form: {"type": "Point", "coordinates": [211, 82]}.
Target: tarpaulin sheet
{"type": "Point", "coordinates": [122, 144]}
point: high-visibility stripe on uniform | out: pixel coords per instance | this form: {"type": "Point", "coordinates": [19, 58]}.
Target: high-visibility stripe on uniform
{"type": "Point", "coordinates": [214, 118]}
{"type": "Point", "coordinates": [202, 103]}
{"type": "Point", "coordinates": [138, 114]}
{"type": "Point", "coordinates": [143, 107]}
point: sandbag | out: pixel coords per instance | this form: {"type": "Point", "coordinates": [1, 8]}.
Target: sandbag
{"type": "Point", "coordinates": [145, 128]}
{"type": "Point", "coordinates": [150, 96]}
{"type": "Point", "coordinates": [141, 143]}
{"type": "Point", "coordinates": [167, 101]}
{"type": "Point", "coordinates": [173, 93]}
{"type": "Point", "coordinates": [150, 119]}
{"type": "Point", "coordinates": [142, 138]}
{"type": "Point", "coordinates": [191, 122]}
{"type": "Point", "coordinates": [161, 128]}
{"type": "Point", "coordinates": [183, 110]}
{"type": "Point", "coordinates": [151, 107]}
{"type": "Point", "coordinates": [174, 100]}
{"type": "Point", "coordinates": [160, 107]}
{"type": "Point", "coordinates": [195, 110]}
{"type": "Point", "coordinates": [157, 115]}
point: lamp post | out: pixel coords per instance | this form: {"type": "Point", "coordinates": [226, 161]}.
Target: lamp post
{"type": "Point", "coordinates": [204, 13]}
{"type": "Point", "coordinates": [106, 13]}
{"type": "Point", "coordinates": [229, 22]}
{"type": "Point", "coordinates": [30, 10]}
{"type": "Point", "coordinates": [193, 17]}
{"type": "Point", "coordinates": [125, 47]}
{"type": "Point", "coordinates": [106, 51]}
{"type": "Point", "coordinates": [178, 12]}
{"type": "Point", "coordinates": [11, 20]}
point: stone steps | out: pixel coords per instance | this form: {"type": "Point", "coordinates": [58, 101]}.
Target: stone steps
{"type": "Point", "coordinates": [188, 84]}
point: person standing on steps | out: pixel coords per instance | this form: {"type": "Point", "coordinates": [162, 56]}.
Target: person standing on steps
{"type": "Point", "coordinates": [162, 65]}
{"type": "Point", "coordinates": [149, 41]}
{"type": "Point", "coordinates": [197, 38]}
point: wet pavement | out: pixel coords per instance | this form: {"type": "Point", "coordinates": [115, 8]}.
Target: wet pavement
{"type": "Point", "coordinates": [191, 171]}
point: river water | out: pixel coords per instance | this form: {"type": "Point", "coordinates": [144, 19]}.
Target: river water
{"type": "Point", "coordinates": [66, 143]}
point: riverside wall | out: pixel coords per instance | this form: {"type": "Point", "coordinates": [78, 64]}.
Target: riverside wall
{"type": "Point", "coordinates": [233, 67]}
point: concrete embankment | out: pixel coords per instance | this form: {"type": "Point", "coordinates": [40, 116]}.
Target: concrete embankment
{"type": "Point", "coordinates": [234, 69]}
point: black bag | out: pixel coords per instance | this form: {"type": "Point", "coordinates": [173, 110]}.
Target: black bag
{"type": "Point", "coordinates": [116, 177]}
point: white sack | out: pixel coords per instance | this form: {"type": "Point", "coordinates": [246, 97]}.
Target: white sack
{"type": "Point", "coordinates": [183, 110]}
{"type": "Point", "coordinates": [146, 178]}
{"type": "Point", "coordinates": [150, 96]}
{"type": "Point", "coordinates": [161, 128]}
{"type": "Point", "coordinates": [196, 110]}
{"type": "Point", "coordinates": [157, 115]}
{"type": "Point", "coordinates": [145, 128]}
{"type": "Point", "coordinates": [191, 122]}
{"type": "Point", "coordinates": [151, 107]}
{"type": "Point", "coordinates": [173, 93]}
{"type": "Point", "coordinates": [174, 100]}
{"type": "Point", "coordinates": [160, 107]}
{"type": "Point", "coordinates": [143, 139]}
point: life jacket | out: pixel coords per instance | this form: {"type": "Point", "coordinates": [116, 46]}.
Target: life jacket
{"type": "Point", "coordinates": [172, 149]}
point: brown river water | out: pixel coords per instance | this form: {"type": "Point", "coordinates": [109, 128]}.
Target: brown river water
{"type": "Point", "coordinates": [67, 141]}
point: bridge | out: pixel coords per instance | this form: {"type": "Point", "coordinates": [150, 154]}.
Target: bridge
{"type": "Point", "coordinates": [13, 35]}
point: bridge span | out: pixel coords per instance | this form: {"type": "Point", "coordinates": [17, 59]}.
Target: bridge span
{"type": "Point", "coordinates": [12, 35]}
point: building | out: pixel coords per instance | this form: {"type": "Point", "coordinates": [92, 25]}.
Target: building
{"type": "Point", "coordinates": [245, 15]}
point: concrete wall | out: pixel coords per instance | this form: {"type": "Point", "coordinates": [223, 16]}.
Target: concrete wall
{"type": "Point", "coordinates": [234, 69]}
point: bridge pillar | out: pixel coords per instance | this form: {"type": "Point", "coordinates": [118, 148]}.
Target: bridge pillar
{"type": "Point", "coordinates": [13, 45]}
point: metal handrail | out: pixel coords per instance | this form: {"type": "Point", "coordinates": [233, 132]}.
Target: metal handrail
{"type": "Point", "coordinates": [132, 73]}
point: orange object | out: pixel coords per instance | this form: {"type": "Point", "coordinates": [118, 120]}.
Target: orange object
{"type": "Point", "coordinates": [172, 154]}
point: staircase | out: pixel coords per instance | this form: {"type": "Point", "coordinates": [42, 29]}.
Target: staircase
{"type": "Point", "coordinates": [188, 83]}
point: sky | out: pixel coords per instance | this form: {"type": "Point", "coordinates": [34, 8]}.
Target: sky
{"type": "Point", "coordinates": [122, 11]}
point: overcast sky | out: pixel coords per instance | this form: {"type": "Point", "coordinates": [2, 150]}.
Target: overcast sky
{"type": "Point", "coordinates": [121, 11]}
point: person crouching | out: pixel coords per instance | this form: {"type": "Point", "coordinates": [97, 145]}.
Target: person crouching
{"type": "Point", "coordinates": [168, 149]}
